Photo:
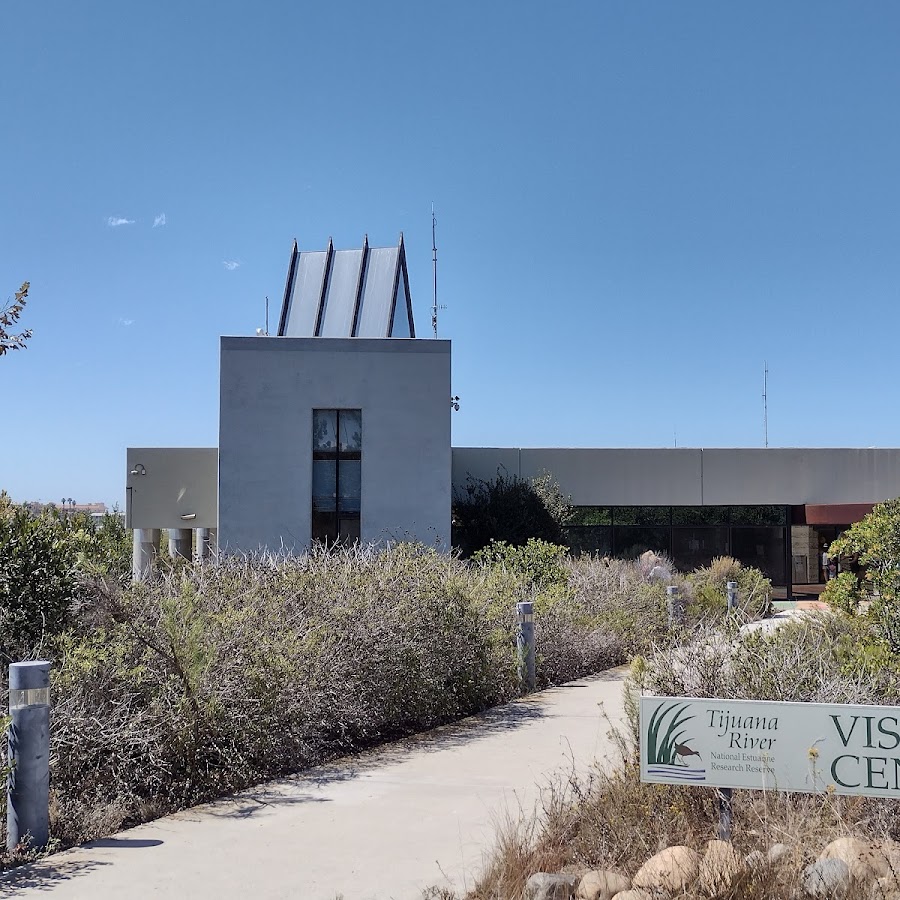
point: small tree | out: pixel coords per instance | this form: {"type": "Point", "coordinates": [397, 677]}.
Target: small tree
{"type": "Point", "coordinates": [510, 509]}
{"type": "Point", "coordinates": [9, 315]}
{"type": "Point", "coordinates": [872, 544]}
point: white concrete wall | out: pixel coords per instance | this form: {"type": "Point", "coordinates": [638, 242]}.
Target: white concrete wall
{"type": "Point", "coordinates": [179, 489]}
{"type": "Point", "coordinates": [268, 390]}
{"type": "Point", "coordinates": [693, 477]}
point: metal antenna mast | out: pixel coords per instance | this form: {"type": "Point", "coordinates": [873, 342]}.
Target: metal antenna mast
{"type": "Point", "coordinates": [766, 403]}
{"type": "Point", "coordinates": [434, 307]}
{"type": "Point", "coordinates": [267, 316]}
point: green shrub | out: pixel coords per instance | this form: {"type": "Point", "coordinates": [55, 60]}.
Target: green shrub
{"type": "Point", "coordinates": [872, 546]}
{"type": "Point", "coordinates": [709, 592]}
{"type": "Point", "coordinates": [37, 580]}
{"type": "Point", "coordinates": [43, 561]}
{"type": "Point", "coordinates": [508, 509]}
{"type": "Point", "coordinates": [540, 563]}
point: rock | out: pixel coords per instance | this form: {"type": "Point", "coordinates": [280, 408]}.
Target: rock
{"type": "Point", "coordinates": [720, 868]}
{"type": "Point", "coordinates": [633, 894]}
{"type": "Point", "coordinates": [674, 869]}
{"type": "Point", "coordinates": [827, 878]}
{"type": "Point", "coordinates": [546, 886]}
{"type": "Point", "coordinates": [866, 862]}
{"type": "Point", "coordinates": [601, 884]}
{"type": "Point", "coordinates": [778, 853]}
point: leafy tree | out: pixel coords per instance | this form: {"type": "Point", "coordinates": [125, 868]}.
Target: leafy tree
{"type": "Point", "coordinates": [508, 508]}
{"type": "Point", "coordinates": [9, 315]}
{"type": "Point", "coordinates": [871, 549]}
{"type": "Point", "coordinates": [37, 580]}
{"type": "Point", "coordinates": [44, 560]}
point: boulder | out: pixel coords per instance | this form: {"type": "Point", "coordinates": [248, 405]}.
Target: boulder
{"type": "Point", "coordinates": [828, 879]}
{"type": "Point", "coordinates": [867, 862]}
{"type": "Point", "coordinates": [633, 894]}
{"type": "Point", "coordinates": [778, 853]}
{"type": "Point", "coordinates": [674, 870]}
{"type": "Point", "coordinates": [547, 886]}
{"type": "Point", "coordinates": [720, 867]}
{"type": "Point", "coordinates": [601, 884]}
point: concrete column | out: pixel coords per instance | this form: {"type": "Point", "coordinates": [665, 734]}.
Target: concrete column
{"type": "Point", "coordinates": [146, 547]}
{"type": "Point", "coordinates": [204, 549]}
{"type": "Point", "coordinates": [28, 786]}
{"type": "Point", "coordinates": [180, 541]}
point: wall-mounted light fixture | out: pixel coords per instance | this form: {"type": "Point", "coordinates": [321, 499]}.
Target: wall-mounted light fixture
{"type": "Point", "coordinates": [139, 470]}
{"type": "Point", "coordinates": [188, 516]}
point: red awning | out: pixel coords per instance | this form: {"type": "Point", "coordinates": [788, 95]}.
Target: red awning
{"type": "Point", "coordinates": [836, 513]}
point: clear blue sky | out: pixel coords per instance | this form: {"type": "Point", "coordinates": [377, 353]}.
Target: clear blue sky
{"type": "Point", "coordinates": [638, 203]}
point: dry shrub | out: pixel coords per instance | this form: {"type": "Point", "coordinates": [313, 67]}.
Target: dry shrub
{"type": "Point", "coordinates": [615, 821]}
{"type": "Point", "coordinates": [214, 677]}
{"type": "Point", "coordinates": [707, 588]}
{"type": "Point", "coordinates": [621, 599]}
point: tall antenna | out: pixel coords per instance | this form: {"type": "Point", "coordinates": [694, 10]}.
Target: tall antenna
{"type": "Point", "coordinates": [434, 306]}
{"type": "Point", "coordinates": [766, 403]}
{"type": "Point", "coordinates": [267, 315]}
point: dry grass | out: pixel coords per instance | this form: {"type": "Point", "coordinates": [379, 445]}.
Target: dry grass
{"type": "Point", "coordinates": [614, 821]}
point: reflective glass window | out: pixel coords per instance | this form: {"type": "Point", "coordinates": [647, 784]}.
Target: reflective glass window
{"type": "Point", "coordinates": [761, 547]}
{"type": "Point", "coordinates": [631, 542]}
{"type": "Point", "coordinates": [758, 515]}
{"type": "Point", "coordinates": [336, 474]}
{"type": "Point", "coordinates": [324, 486]}
{"type": "Point", "coordinates": [350, 430]}
{"type": "Point", "coordinates": [642, 515]}
{"type": "Point", "coordinates": [590, 515]}
{"type": "Point", "coordinates": [350, 485]}
{"type": "Point", "coordinates": [325, 429]}
{"type": "Point", "coordinates": [593, 539]}
{"type": "Point", "coordinates": [699, 515]}
{"type": "Point", "coordinates": [695, 547]}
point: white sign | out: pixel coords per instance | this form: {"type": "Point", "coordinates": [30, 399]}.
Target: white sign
{"type": "Point", "coordinates": [767, 745]}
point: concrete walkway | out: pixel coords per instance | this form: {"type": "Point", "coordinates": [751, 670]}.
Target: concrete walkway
{"type": "Point", "coordinates": [385, 824]}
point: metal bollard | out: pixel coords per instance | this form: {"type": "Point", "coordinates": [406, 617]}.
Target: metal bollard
{"type": "Point", "coordinates": [525, 644]}
{"type": "Point", "coordinates": [732, 593]}
{"type": "Point", "coordinates": [28, 785]}
{"type": "Point", "coordinates": [675, 605]}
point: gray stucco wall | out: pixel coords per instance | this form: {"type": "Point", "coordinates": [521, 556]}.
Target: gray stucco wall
{"type": "Point", "coordinates": [171, 487]}
{"type": "Point", "coordinates": [268, 389]}
{"type": "Point", "coordinates": [693, 477]}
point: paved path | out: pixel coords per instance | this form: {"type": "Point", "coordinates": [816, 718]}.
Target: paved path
{"type": "Point", "coordinates": [386, 824]}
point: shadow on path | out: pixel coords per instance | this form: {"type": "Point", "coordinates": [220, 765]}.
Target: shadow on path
{"type": "Point", "coordinates": [44, 875]}
{"type": "Point", "coordinates": [124, 843]}
{"type": "Point", "coordinates": [295, 789]}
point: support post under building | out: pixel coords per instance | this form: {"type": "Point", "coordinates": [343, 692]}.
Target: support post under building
{"type": "Point", "coordinates": [206, 543]}
{"type": "Point", "coordinates": [181, 543]}
{"type": "Point", "coordinates": [146, 548]}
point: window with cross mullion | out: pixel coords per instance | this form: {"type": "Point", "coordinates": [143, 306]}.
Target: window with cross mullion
{"type": "Point", "coordinates": [337, 475]}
